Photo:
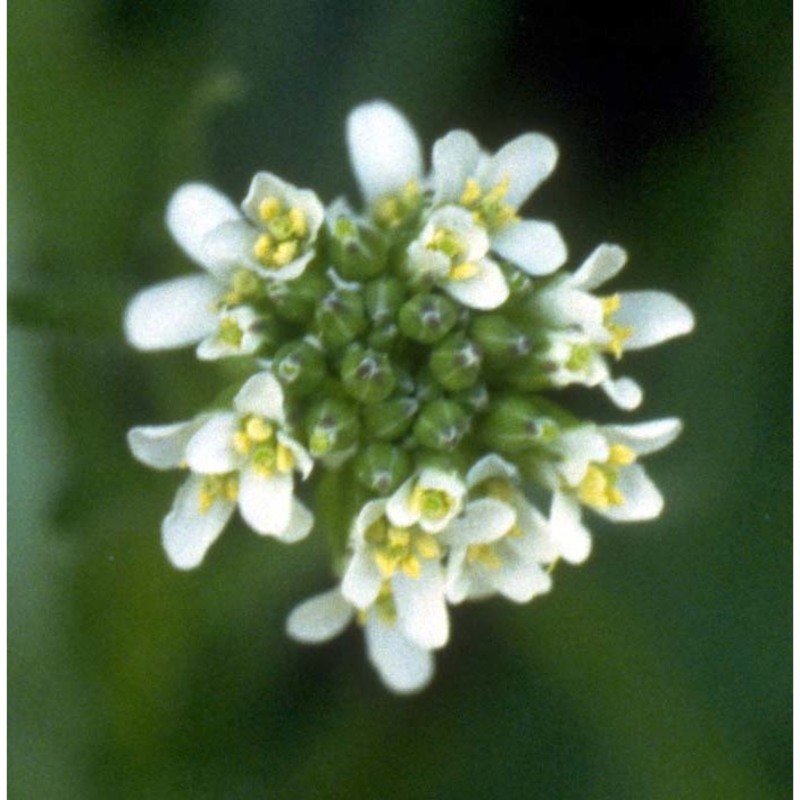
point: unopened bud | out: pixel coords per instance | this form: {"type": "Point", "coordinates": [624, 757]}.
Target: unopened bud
{"type": "Point", "coordinates": [390, 419]}
{"type": "Point", "coordinates": [357, 252]}
{"type": "Point", "coordinates": [381, 468]}
{"type": "Point", "coordinates": [382, 337]}
{"type": "Point", "coordinates": [441, 425]}
{"type": "Point", "coordinates": [332, 427]}
{"type": "Point", "coordinates": [501, 340]}
{"type": "Point", "coordinates": [456, 363]}
{"type": "Point", "coordinates": [297, 300]}
{"type": "Point", "coordinates": [300, 367]}
{"type": "Point", "coordinates": [516, 424]}
{"type": "Point", "coordinates": [427, 318]}
{"type": "Point", "coordinates": [367, 375]}
{"type": "Point", "coordinates": [476, 398]}
{"type": "Point", "coordinates": [383, 298]}
{"type": "Point", "coordinates": [340, 317]}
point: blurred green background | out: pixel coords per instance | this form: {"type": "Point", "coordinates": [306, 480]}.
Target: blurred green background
{"type": "Point", "coordinates": [659, 670]}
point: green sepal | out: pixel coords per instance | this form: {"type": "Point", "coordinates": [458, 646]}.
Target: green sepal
{"type": "Point", "coordinates": [300, 367]}
{"type": "Point", "coordinates": [390, 419]}
{"type": "Point", "coordinates": [381, 468]}
{"type": "Point", "coordinates": [456, 363]}
{"type": "Point", "coordinates": [367, 375]}
{"type": "Point", "coordinates": [340, 317]}
{"type": "Point", "coordinates": [441, 425]}
{"type": "Point", "coordinates": [428, 317]}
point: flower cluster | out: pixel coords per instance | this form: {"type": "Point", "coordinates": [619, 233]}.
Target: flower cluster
{"type": "Point", "coordinates": [405, 361]}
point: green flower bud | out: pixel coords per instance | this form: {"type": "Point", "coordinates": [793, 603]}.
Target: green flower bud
{"type": "Point", "coordinates": [340, 317]}
{"type": "Point", "coordinates": [297, 300]}
{"type": "Point", "coordinates": [382, 337]}
{"type": "Point", "coordinates": [332, 428]}
{"type": "Point", "coordinates": [441, 425]}
{"type": "Point", "coordinates": [501, 341]}
{"type": "Point", "coordinates": [383, 298]}
{"type": "Point", "coordinates": [390, 419]}
{"type": "Point", "coordinates": [456, 363]}
{"type": "Point", "coordinates": [300, 367]}
{"type": "Point", "coordinates": [427, 318]}
{"type": "Point", "coordinates": [381, 468]}
{"type": "Point", "coordinates": [367, 375]}
{"type": "Point", "coordinates": [476, 398]}
{"type": "Point", "coordinates": [357, 251]}
{"type": "Point", "coordinates": [515, 424]}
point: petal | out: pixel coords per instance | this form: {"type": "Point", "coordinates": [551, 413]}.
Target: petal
{"type": "Point", "coordinates": [188, 532]}
{"type": "Point", "coordinates": [263, 395]}
{"type": "Point", "coordinates": [601, 266]}
{"type": "Point", "coordinates": [491, 466]}
{"type": "Point", "coordinates": [303, 461]}
{"type": "Point", "coordinates": [172, 314]}
{"type": "Point", "coordinates": [362, 580]}
{"type": "Point", "coordinates": [486, 290]}
{"type": "Point", "coordinates": [645, 437]}
{"type": "Point", "coordinates": [654, 316]}
{"type": "Point", "coordinates": [193, 212]}
{"type": "Point", "coordinates": [455, 158]}
{"type": "Point", "coordinates": [210, 451]}
{"type": "Point", "coordinates": [579, 446]}
{"type": "Point", "coordinates": [421, 607]}
{"type": "Point", "coordinates": [483, 521]}
{"type": "Point", "coordinates": [526, 161]}
{"type": "Point", "coordinates": [567, 307]}
{"type": "Point", "coordinates": [520, 582]}
{"type": "Point", "coordinates": [571, 539]}
{"type": "Point", "coordinates": [162, 446]}
{"type": "Point", "coordinates": [230, 246]}
{"type": "Point", "coordinates": [535, 247]}
{"type": "Point", "coordinates": [214, 347]}
{"type": "Point", "coordinates": [625, 393]}
{"type": "Point", "coordinates": [403, 666]}
{"type": "Point", "coordinates": [265, 503]}
{"type": "Point", "coordinates": [384, 150]}
{"type": "Point", "coordinates": [301, 521]}
{"type": "Point", "coordinates": [370, 513]}
{"type": "Point", "coordinates": [642, 497]}
{"type": "Point", "coordinates": [319, 618]}
{"type": "Point", "coordinates": [457, 583]}
{"type": "Point", "coordinates": [266, 184]}
{"type": "Point", "coordinates": [398, 506]}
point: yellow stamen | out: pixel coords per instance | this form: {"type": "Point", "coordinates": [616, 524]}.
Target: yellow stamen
{"type": "Point", "coordinates": [610, 304]}
{"type": "Point", "coordinates": [385, 563]}
{"type": "Point", "coordinates": [471, 193]}
{"type": "Point", "coordinates": [484, 554]}
{"type": "Point", "coordinates": [464, 271]}
{"type": "Point", "coordinates": [263, 247]}
{"type": "Point", "coordinates": [258, 429]}
{"type": "Point", "coordinates": [241, 443]}
{"type": "Point", "coordinates": [619, 335]}
{"type": "Point", "coordinates": [269, 208]}
{"type": "Point", "coordinates": [231, 489]}
{"type": "Point", "coordinates": [427, 546]}
{"type": "Point", "coordinates": [284, 253]}
{"type": "Point", "coordinates": [399, 537]}
{"type": "Point", "coordinates": [410, 566]}
{"type": "Point", "coordinates": [592, 490]}
{"type": "Point", "coordinates": [620, 456]}
{"type": "Point", "coordinates": [299, 222]}
{"type": "Point", "coordinates": [285, 459]}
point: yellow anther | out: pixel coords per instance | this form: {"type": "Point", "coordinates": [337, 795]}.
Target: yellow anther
{"type": "Point", "coordinates": [620, 456]}
{"type": "Point", "coordinates": [231, 489]}
{"type": "Point", "coordinates": [593, 489]}
{"type": "Point", "coordinates": [386, 563]}
{"type": "Point", "coordinates": [206, 500]}
{"type": "Point", "coordinates": [471, 193]}
{"type": "Point", "coordinates": [398, 537]}
{"type": "Point", "coordinates": [411, 566]}
{"type": "Point", "coordinates": [263, 247]}
{"type": "Point", "coordinates": [498, 191]}
{"type": "Point", "coordinates": [241, 443]}
{"type": "Point", "coordinates": [284, 253]}
{"type": "Point", "coordinates": [376, 533]}
{"type": "Point", "coordinates": [464, 271]}
{"type": "Point", "coordinates": [610, 304]}
{"type": "Point", "coordinates": [505, 215]}
{"type": "Point", "coordinates": [484, 554]}
{"type": "Point", "coordinates": [427, 546]}
{"type": "Point", "coordinates": [614, 496]}
{"type": "Point", "coordinates": [284, 459]}
{"type": "Point", "coordinates": [499, 489]}
{"type": "Point", "coordinates": [619, 335]}
{"type": "Point", "coordinates": [258, 429]}
{"type": "Point", "coordinates": [269, 208]}
{"type": "Point", "coordinates": [297, 218]}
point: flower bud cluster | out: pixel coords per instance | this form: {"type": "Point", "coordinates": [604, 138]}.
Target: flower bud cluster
{"type": "Point", "coordinates": [405, 366]}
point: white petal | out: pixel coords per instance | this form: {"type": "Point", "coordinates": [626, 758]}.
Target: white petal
{"type": "Point", "coordinates": [566, 307]}
{"type": "Point", "coordinates": [526, 161]}
{"type": "Point", "coordinates": [601, 266]}
{"type": "Point", "coordinates": [491, 466]}
{"type": "Point", "coordinates": [193, 212]}
{"type": "Point", "coordinates": [263, 395]}
{"type": "Point", "coordinates": [210, 451]}
{"type": "Point", "coordinates": [457, 582]}
{"type": "Point", "coordinates": [486, 290]}
{"type": "Point", "coordinates": [483, 521]}
{"type": "Point", "coordinates": [319, 618]}
{"type": "Point", "coordinates": [384, 150]}
{"type": "Point", "coordinates": [642, 497]}
{"type": "Point", "coordinates": [625, 393]}
{"type": "Point", "coordinates": [521, 582]}
{"type": "Point", "coordinates": [362, 580]}
{"type": "Point", "coordinates": [572, 540]}
{"type": "Point", "coordinates": [455, 158]}
{"type": "Point", "coordinates": [266, 503]}
{"type": "Point", "coordinates": [421, 607]}
{"type": "Point", "coordinates": [230, 246]}
{"type": "Point", "coordinates": [162, 446]}
{"type": "Point", "coordinates": [172, 314]}
{"type": "Point", "coordinates": [370, 513]}
{"type": "Point", "coordinates": [265, 184]}
{"type": "Point", "coordinates": [398, 506]}
{"type": "Point", "coordinates": [214, 347]}
{"type": "Point", "coordinates": [654, 316]}
{"type": "Point", "coordinates": [579, 446]}
{"type": "Point", "coordinates": [303, 461]}
{"type": "Point", "coordinates": [403, 666]}
{"type": "Point", "coordinates": [645, 437]}
{"type": "Point", "coordinates": [188, 532]}
{"type": "Point", "coordinates": [535, 247]}
{"type": "Point", "coordinates": [301, 521]}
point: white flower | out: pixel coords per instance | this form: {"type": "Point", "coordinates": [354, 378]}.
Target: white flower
{"type": "Point", "coordinates": [404, 666]}
{"type": "Point", "coordinates": [588, 326]}
{"type": "Point", "coordinates": [241, 457]}
{"type": "Point", "coordinates": [451, 251]}
{"type": "Point", "coordinates": [236, 255]}
{"type": "Point", "coordinates": [503, 555]}
{"type": "Point", "coordinates": [493, 187]}
{"type": "Point", "coordinates": [430, 499]}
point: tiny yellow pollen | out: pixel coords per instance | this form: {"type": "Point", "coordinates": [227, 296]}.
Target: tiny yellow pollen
{"type": "Point", "coordinates": [464, 271]}
{"type": "Point", "coordinates": [299, 223]}
{"type": "Point", "coordinates": [610, 304]}
{"type": "Point", "coordinates": [241, 443]}
{"type": "Point", "coordinates": [258, 429]}
{"type": "Point", "coordinates": [206, 500]}
{"type": "Point", "coordinates": [263, 247]}
{"type": "Point", "coordinates": [386, 564]}
{"type": "Point", "coordinates": [399, 537]}
{"type": "Point", "coordinates": [499, 190]}
{"type": "Point", "coordinates": [471, 193]}
{"type": "Point", "coordinates": [269, 208]}
{"type": "Point", "coordinates": [592, 490]}
{"type": "Point", "coordinates": [620, 456]}
{"type": "Point", "coordinates": [427, 547]}
{"type": "Point", "coordinates": [410, 566]}
{"type": "Point", "coordinates": [284, 253]}
{"type": "Point", "coordinates": [614, 496]}
{"type": "Point", "coordinates": [285, 459]}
